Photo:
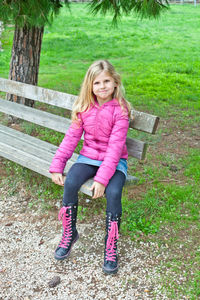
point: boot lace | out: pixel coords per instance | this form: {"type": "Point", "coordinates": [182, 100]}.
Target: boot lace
{"type": "Point", "coordinates": [67, 227]}
{"type": "Point", "coordinates": [111, 241]}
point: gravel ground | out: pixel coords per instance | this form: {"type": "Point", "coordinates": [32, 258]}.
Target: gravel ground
{"type": "Point", "coordinates": [28, 240]}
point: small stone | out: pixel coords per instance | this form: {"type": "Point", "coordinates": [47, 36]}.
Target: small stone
{"type": "Point", "coordinates": [54, 281]}
{"type": "Point", "coordinates": [165, 164]}
{"type": "Point", "coordinates": [2, 270]}
{"type": "Point", "coordinates": [9, 224]}
{"type": "Point", "coordinates": [173, 168]}
{"type": "Point", "coordinates": [41, 242]}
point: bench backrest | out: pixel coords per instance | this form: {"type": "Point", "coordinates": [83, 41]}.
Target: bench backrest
{"type": "Point", "coordinates": [142, 121]}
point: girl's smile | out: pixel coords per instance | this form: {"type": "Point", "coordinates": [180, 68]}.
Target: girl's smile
{"type": "Point", "coordinates": [103, 87]}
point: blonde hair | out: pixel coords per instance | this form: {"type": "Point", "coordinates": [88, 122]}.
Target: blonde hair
{"type": "Point", "coordinates": [86, 96]}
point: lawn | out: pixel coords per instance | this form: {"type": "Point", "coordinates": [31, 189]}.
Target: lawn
{"type": "Point", "coordinates": [160, 66]}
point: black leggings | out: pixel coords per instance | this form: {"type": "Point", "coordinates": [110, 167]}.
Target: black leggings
{"type": "Point", "coordinates": [80, 173]}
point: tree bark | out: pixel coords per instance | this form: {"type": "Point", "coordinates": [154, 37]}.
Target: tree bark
{"type": "Point", "coordinates": [25, 59]}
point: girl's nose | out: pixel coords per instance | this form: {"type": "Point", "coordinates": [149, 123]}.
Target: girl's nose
{"type": "Point", "coordinates": [102, 85]}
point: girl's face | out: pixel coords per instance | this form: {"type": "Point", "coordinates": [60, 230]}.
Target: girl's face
{"type": "Point", "coordinates": [103, 87]}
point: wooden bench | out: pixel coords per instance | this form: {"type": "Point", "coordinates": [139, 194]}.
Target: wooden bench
{"type": "Point", "coordinates": [36, 154]}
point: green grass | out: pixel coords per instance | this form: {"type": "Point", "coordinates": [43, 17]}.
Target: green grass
{"type": "Point", "coordinates": [164, 201]}
{"type": "Point", "coordinates": [158, 59]}
{"type": "Point", "coordinates": [160, 66]}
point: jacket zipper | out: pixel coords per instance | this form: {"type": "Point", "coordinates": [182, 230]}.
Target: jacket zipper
{"type": "Point", "coordinates": [96, 125]}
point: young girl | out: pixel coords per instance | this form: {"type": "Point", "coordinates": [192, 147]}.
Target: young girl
{"type": "Point", "coordinates": [102, 113]}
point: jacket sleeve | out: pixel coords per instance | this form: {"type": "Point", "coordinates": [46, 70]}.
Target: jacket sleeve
{"type": "Point", "coordinates": [116, 144]}
{"type": "Point", "coordinates": [67, 147]}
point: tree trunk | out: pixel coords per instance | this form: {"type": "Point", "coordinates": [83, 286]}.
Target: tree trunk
{"type": "Point", "coordinates": [25, 60]}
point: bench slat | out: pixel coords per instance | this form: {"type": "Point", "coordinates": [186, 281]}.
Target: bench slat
{"type": "Point", "coordinates": [35, 164]}
{"type": "Point", "coordinates": [29, 144]}
{"type": "Point", "coordinates": [33, 155]}
{"type": "Point", "coordinates": [37, 93]}
{"type": "Point", "coordinates": [142, 121]}
{"type": "Point", "coordinates": [36, 116]}
{"type": "Point", "coordinates": [30, 140]}
{"type": "Point", "coordinates": [17, 143]}
{"type": "Point", "coordinates": [25, 159]}
{"type": "Point", "coordinates": [135, 147]}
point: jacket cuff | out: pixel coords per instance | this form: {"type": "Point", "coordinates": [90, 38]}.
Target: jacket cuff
{"type": "Point", "coordinates": [53, 170]}
{"type": "Point", "coordinates": [101, 180]}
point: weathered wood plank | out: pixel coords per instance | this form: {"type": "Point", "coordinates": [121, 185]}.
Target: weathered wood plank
{"type": "Point", "coordinates": [24, 159]}
{"type": "Point", "coordinates": [135, 147]}
{"type": "Point", "coordinates": [142, 121]}
{"type": "Point", "coordinates": [37, 93]}
{"type": "Point", "coordinates": [35, 164]}
{"type": "Point", "coordinates": [32, 145]}
{"type": "Point", "coordinates": [34, 142]}
{"type": "Point", "coordinates": [35, 116]}
{"type": "Point", "coordinates": [131, 180]}
{"type": "Point", "coordinates": [29, 144]}
{"type": "Point", "coordinates": [27, 148]}
{"type": "Point", "coordinates": [36, 159]}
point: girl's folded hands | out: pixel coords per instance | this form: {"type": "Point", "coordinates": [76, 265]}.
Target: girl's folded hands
{"type": "Point", "coordinates": [57, 178]}
{"type": "Point", "coordinates": [98, 189]}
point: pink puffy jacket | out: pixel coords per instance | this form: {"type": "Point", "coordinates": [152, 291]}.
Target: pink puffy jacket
{"type": "Point", "coordinates": [105, 129]}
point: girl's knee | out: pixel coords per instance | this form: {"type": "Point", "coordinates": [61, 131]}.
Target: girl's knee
{"type": "Point", "coordinates": [113, 193]}
{"type": "Point", "coordinates": [71, 184]}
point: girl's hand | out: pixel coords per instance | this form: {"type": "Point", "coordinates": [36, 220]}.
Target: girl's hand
{"type": "Point", "coordinates": [57, 178]}
{"type": "Point", "coordinates": [98, 189]}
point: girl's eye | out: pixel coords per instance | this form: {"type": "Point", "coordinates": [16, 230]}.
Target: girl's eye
{"type": "Point", "coordinates": [96, 82]}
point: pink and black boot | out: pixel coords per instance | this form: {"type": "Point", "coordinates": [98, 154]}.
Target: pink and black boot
{"type": "Point", "coordinates": [110, 265]}
{"type": "Point", "coordinates": [68, 214]}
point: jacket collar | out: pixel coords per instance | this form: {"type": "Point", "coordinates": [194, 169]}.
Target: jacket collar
{"type": "Point", "coordinates": [112, 102]}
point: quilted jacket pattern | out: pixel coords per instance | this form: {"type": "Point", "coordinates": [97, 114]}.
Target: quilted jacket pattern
{"type": "Point", "coordinates": [105, 129]}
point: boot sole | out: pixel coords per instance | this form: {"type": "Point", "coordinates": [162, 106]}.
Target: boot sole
{"type": "Point", "coordinates": [68, 253]}
{"type": "Point", "coordinates": [106, 271]}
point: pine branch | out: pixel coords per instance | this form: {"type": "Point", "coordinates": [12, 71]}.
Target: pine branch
{"type": "Point", "coordinates": [30, 12]}
{"type": "Point", "coordinates": [144, 8]}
